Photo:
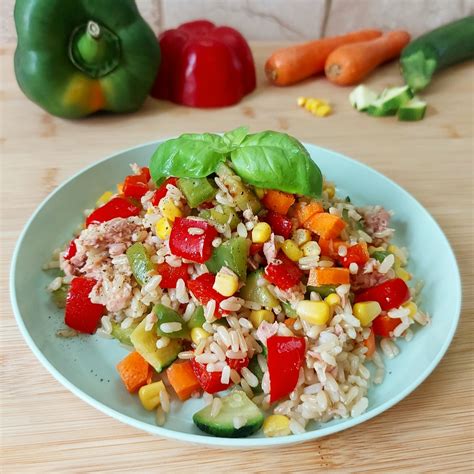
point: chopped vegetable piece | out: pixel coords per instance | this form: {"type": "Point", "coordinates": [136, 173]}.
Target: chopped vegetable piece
{"type": "Point", "coordinates": [313, 312]}
{"type": "Point", "coordinates": [71, 250]}
{"type": "Point", "coordinates": [232, 254]}
{"type": "Point", "coordinates": [202, 289]}
{"type": "Point", "coordinates": [256, 370]}
{"type": "Point", "coordinates": [328, 276]}
{"type": "Point", "coordinates": [140, 263]}
{"type": "Point", "coordinates": [255, 248]}
{"type": "Point", "coordinates": [390, 101]}
{"type": "Point", "coordinates": [196, 190]}
{"type": "Point", "coordinates": [261, 233]}
{"type": "Point", "coordinates": [210, 382]}
{"type": "Point", "coordinates": [161, 192]}
{"type": "Point", "coordinates": [226, 282]}
{"type": "Point", "coordinates": [187, 240]}
{"type": "Point", "coordinates": [291, 250]}
{"type": "Point", "coordinates": [134, 371]}
{"type": "Point", "coordinates": [279, 224]}
{"type": "Point", "coordinates": [123, 334]}
{"type": "Point", "coordinates": [222, 215]}
{"type": "Point", "coordinates": [169, 323]}
{"type": "Point", "coordinates": [305, 211]}
{"type": "Point", "coordinates": [366, 311]}
{"type": "Point", "coordinates": [383, 325]}
{"type": "Point", "coordinates": [198, 334]}
{"type": "Point", "coordinates": [323, 290]}
{"type": "Point", "coordinates": [170, 275]}
{"type": "Point", "coordinates": [285, 358]}
{"type": "Point", "coordinates": [259, 294]}
{"type": "Point", "coordinates": [380, 255]}
{"type": "Point", "coordinates": [330, 248]}
{"type": "Point", "coordinates": [238, 364]}
{"type": "Point", "coordinates": [276, 425]}
{"type": "Point", "coordinates": [370, 344]}
{"type": "Point", "coordinates": [412, 110]}
{"type": "Point", "coordinates": [235, 406]}
{"type": "Point", "coordinates": [183, 380]}
{"type": "Point", "coordinates": [357, 253]}
{"type": "Point", "coordinates": [136, 186]}
{"type": "Point", "coordinates": [257, 316]}
{"type": "Point", "coordinates": [116, 207]}
{"type": "Point", "coordinates": [325, 225]}
{"type": "Point", "coordinates": [80, 313]}
{"type": "Point", "coordinates": [389, 294]}
{"type": "Point", "coordinates": [197, 318]}
{"type": "Point", "coordinates": [150, 395]}
{"type": "Point", "coordinates": [361, 97]}
{"type": "Point", "coordinates": [278, 201]}
{"type": "Point", "coordinates": [284, 275]}
{"type": "Point", "coordinates": [59, 296]}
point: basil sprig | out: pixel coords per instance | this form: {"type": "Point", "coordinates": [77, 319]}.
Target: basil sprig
{"type": "Point", "coordinates": [268, 159]}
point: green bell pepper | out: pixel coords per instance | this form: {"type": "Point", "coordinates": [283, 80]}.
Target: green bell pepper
{"type": "Point", "coordinates": [232, 254]}
{"type": "Point", "coordinates": [140, 262]}
{"type": "Point", "coordinates": [168, 315]}
{"type": "Point", "coordinates": [75, 58]}
{"type": "Point", "coordinates": [196, 190]}
{"type": "Point", "coordinates": [197, 318]}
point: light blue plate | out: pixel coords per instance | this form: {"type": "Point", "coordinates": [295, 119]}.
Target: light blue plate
{"type": "Point", "coordinates": [86, 365]}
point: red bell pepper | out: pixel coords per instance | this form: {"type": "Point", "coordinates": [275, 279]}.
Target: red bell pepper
{"type": "Point", "coordinates": [280, 224]}
{"type": "Point", "coordinates": [383, 325]}
{"type": "Point", "coordinates": [201, 288]}
{"type": "Point", "coordinates": [71, 251]}
{"type": "Point", "coordinates": [116, 207]}
{"type": "Point", "coordinates": [255, 248]}
{"type": "Point", "coordinates": [285, 358]}
{"type": "Point", "coordinates": [170, 275]}
{"type": "Point", "coordinates": [357, 253]}
{"type": "Point", "coordinates": [285, 275]}
{"type": "Point", "coordinates": [204, 66]}
{"type": "Point", "coordinates": [80, 313]}
{"type": "Point", "coordinates": [195, 247]}
{"type": "Point", "coordinates": [389, 294]}
{"type": "Point", "coordinates": [136, 185]}
{"type": "Point", "coordinates": [160, 193]}
{"type": "Point", "coordinates": [209, 381]}
{"type": "Point", "coordinates": [238, 364]}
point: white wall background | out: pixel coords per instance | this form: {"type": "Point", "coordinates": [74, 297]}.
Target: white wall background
{"type": "Point", "coordinates": [289, 20]}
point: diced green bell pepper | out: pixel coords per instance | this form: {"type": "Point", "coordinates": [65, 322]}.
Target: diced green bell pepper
{"type": "Point", "coordinates": [140, 262]}
{"type": "Point", "coordinates": [380, 255]}
{"type": "Point", "coordinates": [323, 290]}
{"type": "Point", "coordinates": [168, 315]}
{"type": "Point", "coordinates": [232, 254]}
{"type": "Point", "coordinates": [197, 319]}
{"type": "Point", "coordinates": [289, 311]}
{"type": "Point", "coordinates": [258, 294]}
{"type": "Point", "coordinates": [196, 190]}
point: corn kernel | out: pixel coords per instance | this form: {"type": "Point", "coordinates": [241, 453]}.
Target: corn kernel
{"type": "Point", "coordinates": [257, 316]}
{"type": "Point", "coordinates": [261, 233]}
{"type": "Point", "coordinates": [314, 312]}
{"type": "Point", "coordinates": [366, 312]}
{"type": "Point", "coordinates": [400, 272]}
{"type": "Point", "coordinates": [276, 425]}
{"type": "Point", "coordinates": [412, 307]}
{"type": "Point", "coordinates": [291, 250]}
{"type": "Point", "coordinates": [301, 101]}
{"type": "Point", "coordinates": [150, 395]}
{"type": "Point", "coordinates": [226, 282]}
{"type": "Point", "coordinates": [104, 198]}
{"type": "Point", "coordinates": [323, 110]}
{"type": "Point", "coordinates": [198, 334]}
{"type": "Point", "coordinates": [260, 192]}
{"type": "Point", "coordinates": [333, 299]}
{"type": "Point", "coordinates": [170, 210]}
{"type": "Point", "coordinates": [398, 253]}
{"type": "Point", "coordinates": [163, 228]}
{"type": "Point", "coordinates": [301, 236]}
{"type": "Point", "coordinates": [311, 248]}
{"type": "Point", "coordinates": [120, 188]}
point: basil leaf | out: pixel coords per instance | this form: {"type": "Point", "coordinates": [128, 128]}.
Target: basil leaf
{"type": "Point", "coordinates": [235, 137]}
{"type": "Point", "coordinates": [276, 160]}
{"type": "Point", "coordinates": [191, 155]}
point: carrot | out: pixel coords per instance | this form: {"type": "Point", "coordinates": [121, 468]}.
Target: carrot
{"type": "Point", "coordinates": [289, 322]}
{"type": "Point", "coordinates": [327, 226]}
{"type": "Point", "coordinates": [329, 248]}
{"type": "Point", "coordinates": [328, 276]}
{"type": "Point", "coordinates": [295, 63]}
{"type": "Point", "coordinates": [350, 63]}
{"type": "Point", "coordinates": [134, 371]}
{"type": "Point", "coordinates": [278, 201]}
{"type": "Point", "coordinates": [304, 211]}
{"type": "Point", "coordinates": [370, 344]}
{"type": "Point", "coordinates": [182, 379]}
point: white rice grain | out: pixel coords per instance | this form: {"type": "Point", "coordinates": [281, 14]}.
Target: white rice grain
{"type": "Point", "coordinates": [206, 358]}
{"type": "Point", "coordinates": [360, 407]}
{"type": "Point", "coordinates": [216, 349]}
{"type": "Point", "coordinates": [389, 348]}
{"type": "Point", "coordinates": [242, 230]}
{"type": "Point", "coordinates": [186, 355]}
{"type": "Point", "coordinates": [209, 310]}
{"type": "Point", "coordinates": [296, 427]}
{"type": "Point", "coordinates": [195, 231]}
{"type": "Point", "coordinates": [386, 264]}
{"type": "Point", "coordinates": [225, 377]}
{"type": "Point", "coordinates": [239, 421]}
{"type": "Point", "coordinates": [231, 304]}
{"type": "Point", "coordinates": [169, 328]}
{"type": "Point", "coordinates": [353, 268]}
{"type": "Point", "coordinates": [216, 407]}
{"type": "Point", "coordinates": [181, 293]}
{"type": "Point", "coordinates": [249, 377]}
{"type": "Point", "coordinates": [55, 284]}
{"type": "Point", "coordinates": [106, 324]}
{"type": "Point", "coordinates": [224, 335]}
{"type": "Point", "coordinates": [165, 400]}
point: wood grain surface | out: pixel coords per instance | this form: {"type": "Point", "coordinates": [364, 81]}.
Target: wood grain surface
{"type": "Point", "coordinates": [45, 428]}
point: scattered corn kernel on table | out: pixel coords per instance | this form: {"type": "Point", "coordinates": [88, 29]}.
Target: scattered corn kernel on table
{"type": "Point", "coordinates": [45, 428]}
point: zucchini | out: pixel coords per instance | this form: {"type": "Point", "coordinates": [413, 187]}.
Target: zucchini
{"type": "Point", "coordinates": [123, 335]}
{"type": "Point", "coordinates": [390, 101]}
{"type": "Point", "coordinates": [256, 370]}
{"type": "Point", "coordinates": [197, 190]}
{"type": "Point", "coordinates": [447, 45]}
{"type": "Point", "coordinates": [258, 294]}
{"type": "Point", "coordinates": [59, 296]}
{"type": "Point", "coordinates": [361, 97]}
{"type": "Point", "coordinates": [413, 110]}
{"type": "Point", "coordinates": [237, 404]}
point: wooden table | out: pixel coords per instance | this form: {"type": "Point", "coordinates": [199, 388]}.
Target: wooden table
{"type": "Point", "coordinates": [47, 429]}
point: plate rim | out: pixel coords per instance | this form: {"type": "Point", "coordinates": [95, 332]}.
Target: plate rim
{"type": "Point", "coordinates": [231, 442]}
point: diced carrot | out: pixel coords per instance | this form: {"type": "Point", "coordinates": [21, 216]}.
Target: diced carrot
{"type": "Point", "coordinates": [329, 248]}
{"type": "Point", "coordinates": [134, 371]}
{"type": "Point", "coordinates": [278, 201]}
{"type": "Point", "coordinates": [370, 344]}
{"type": "Point", "coordinates": [289, 322]}
{"type": "Point", "coordinates": [325, 225]}
{"type": "Point", "coordinates": [305, 211]}
{"type": "Point", "coordinates": [328, 276]}
{"type": "Point", "coordinates": [182, 379]}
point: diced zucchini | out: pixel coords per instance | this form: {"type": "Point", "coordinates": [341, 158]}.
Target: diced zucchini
{"type": "Point", "coordinates": [59, 296]}
{"type": "Point", "coordinates": [196, 190]}
{"type": "Point", "coordinates": [167, 315]}
{"type": "Point", "coordinates": [232, 254]}
{"type": "Point", "coordinates": [123, 335]}
{"type": "Point", "coordinates": [361, 97]}
{"type": "Point", "coordinates": [258, 294]}
{"type": "Point", "coordinates": [390, 101]}
{"type": "Point", "coordinates": [289, 311]}
{"type": "Point", "coordinates": [225, 216]}
{"type": "Point", "coordinates": [236, 404]}
{"type": "Point", "coordinates": [140, 262]}
{"type": "Point", "coordinates": [255, 368]}
{"type": "Point", "coordinates": [412, 111]}
{"type": "Point", "coordinates": [144, 343]}
{"type": "Point", "coordinates": [197, 319]}
{"type": "Point", "coordinates": [323, 290]}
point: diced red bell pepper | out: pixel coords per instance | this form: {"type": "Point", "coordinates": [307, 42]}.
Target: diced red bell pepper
{"type": "Point", "coordinates": [389, 294]}
{"type": "Point", "coordinates": [285, 358]}
{"type": "Point", "coordinates": [116, 207]}
{"type": "Point", "coordinates": [195, 247]}
{"type": "Point", "coordinates": [71, 251]}
{"type": "Point", "coordinates": [285, 275]}
{"type": "Point", "coordinates": [238, 364]}
{"type": "Point", "coordinates": [160, 193]}
{"type": "Point", "coordinates": [170, 275]}
{"type": "Point", "coordinates": [383, 325]}
{"type": "Point", "coordinates": [204, 66]}
{"type": "Point", "coordinates": [201, 288]}
{"type": "Point", "coordinates": [135, 186]}
{"type": "Point", "coordinates": [281, 225]}
{"type": "Point", "coordinates": [209, 381]}
{"type": "Point", "coordinates": [355, 254]}
{"type": "Point", "coordinates": [255, 248]}
{"type": "Point", "coordinates": [329, 248]}
{"type": "Point", "coordinates": [80, 313]}
{"type": "Point", "coordinates": [145, 172]}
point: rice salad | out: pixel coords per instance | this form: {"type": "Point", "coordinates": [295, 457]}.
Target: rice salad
{"type": "Point", "coordinates": [234, 273]}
